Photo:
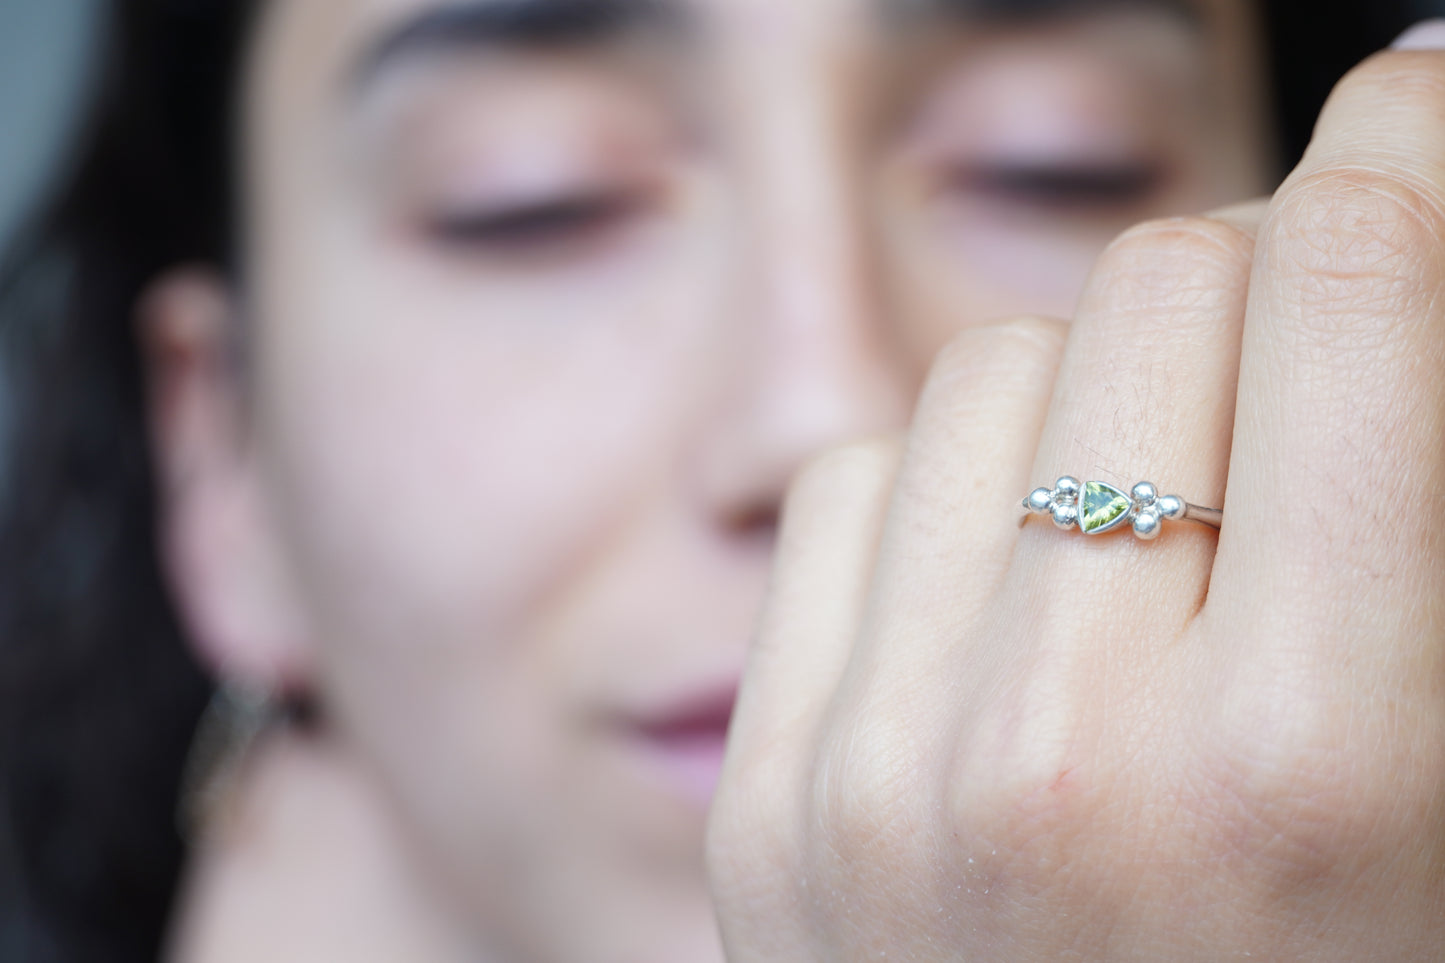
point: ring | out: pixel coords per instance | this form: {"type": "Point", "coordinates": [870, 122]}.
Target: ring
{"type": "Point", "coordinates": [1098, 507]}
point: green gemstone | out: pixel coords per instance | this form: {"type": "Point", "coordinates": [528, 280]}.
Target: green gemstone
{"type": "Point", "coordinates": [1102, 507]}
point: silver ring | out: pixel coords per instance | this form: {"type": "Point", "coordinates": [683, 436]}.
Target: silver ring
{"type": "Point", "coordinates": [1098, 507]}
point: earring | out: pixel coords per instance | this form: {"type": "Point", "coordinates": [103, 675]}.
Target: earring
{"type": "Point", "coordinates": [234, 720]}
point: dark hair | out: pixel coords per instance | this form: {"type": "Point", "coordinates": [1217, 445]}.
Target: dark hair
{"type": "Point", "coordinates": [98, 695]}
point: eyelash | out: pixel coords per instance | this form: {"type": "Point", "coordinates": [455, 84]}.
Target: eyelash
{"type": "Point", "coordinates": [1061, 186]}
{"type": "Point", "coordinates": [538, 227]}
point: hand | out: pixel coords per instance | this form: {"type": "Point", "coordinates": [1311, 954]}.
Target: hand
{"type": "Point", "coordinates": [964, 739]}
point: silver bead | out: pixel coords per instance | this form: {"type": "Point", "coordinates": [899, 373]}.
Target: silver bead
{"type": "Point", "coordinates": [1039, 500]}
{"type": "Point", "coordinates": [1147, 524]}
{"type": "Point", "coordinates": [1067, 485]}
{"type": "Point", "coordinates": [1172, 507]}
{"type": "Point", "coordinates": [1144, 494]}
{"type": "Point", "coordinates": [1066, 516]}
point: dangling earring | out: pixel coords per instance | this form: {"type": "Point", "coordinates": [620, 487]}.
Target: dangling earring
{"type": "Point", "coordinates": [229, 728]}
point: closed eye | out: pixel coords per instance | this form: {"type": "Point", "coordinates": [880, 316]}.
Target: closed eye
{"type": "Point", "coordinates": [1064, 186]}
{"type": "Point", "coordinates": [552, 225]}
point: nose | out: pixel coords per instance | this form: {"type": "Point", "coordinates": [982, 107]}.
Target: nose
{"type": "Point", "coordinates": [818, 365]}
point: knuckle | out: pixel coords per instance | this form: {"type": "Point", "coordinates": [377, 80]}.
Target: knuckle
{"type": "Point", "coordinates": [867, 787]}
{"type": "Point", "coordinates": [1021, 777]}
{"type": "Point", "coordinates": [749, 844]}
{"type": "Point", "coordinates": [1179, 242]}
{"type": "Point", "coordinates": [1023, 350]}
{"type": "Point", "coordinates": [846, 466]}
{"type": "Point", "coordinates": [1300, 799]}
{"type": "Point", "coordinates": [1392, 81]}
{"type": "Point", "coordinates": [1355, 219]}
{"type": "Point", "coordinates": [1159, 270]}
{"type": "Point", "coordinates": [1351, 247]}
{"type": "Point", "coordinates": [1022, 827]}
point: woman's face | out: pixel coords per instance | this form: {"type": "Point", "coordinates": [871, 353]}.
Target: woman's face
{"type": "Point", "coordinates": [547, 300]}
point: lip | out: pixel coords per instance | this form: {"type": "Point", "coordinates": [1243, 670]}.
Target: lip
{"type": "Point", "coordinates": [684, 740]}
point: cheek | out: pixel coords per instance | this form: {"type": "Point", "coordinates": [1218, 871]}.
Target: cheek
{"type": "Point", "coordinates": [446, 482]}
{"type": "Point", "coordinates": [449, 445]}
{"type": "Point", "coordinates": [450, 465]}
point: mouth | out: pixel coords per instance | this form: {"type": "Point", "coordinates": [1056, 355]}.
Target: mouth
{"type": "Point", "coordinates": [684, 742]}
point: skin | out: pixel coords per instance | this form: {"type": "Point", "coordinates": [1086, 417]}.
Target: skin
{"type": "Point", "coordinates": [499, 498]}
{"type": "Point", "coordinates": [962, 738]}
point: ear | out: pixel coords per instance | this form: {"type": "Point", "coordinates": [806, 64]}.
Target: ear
{"type": "Point", "coordinates": [219, 544]}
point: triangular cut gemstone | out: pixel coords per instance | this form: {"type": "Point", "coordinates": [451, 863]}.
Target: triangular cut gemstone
{"type": "Point", "coordinates": [1103, 507]}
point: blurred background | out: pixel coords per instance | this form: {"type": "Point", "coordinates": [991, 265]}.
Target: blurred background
{"type": "Point", "coordinates": [45, 48]}
{"type": "Point", "coordinates": [43, 56]}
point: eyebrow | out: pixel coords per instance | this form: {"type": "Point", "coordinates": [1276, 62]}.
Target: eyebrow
{"type": "Point", "coordinates": [517, 24]}
{"type": "Point", "coordinates": [1026, 11]}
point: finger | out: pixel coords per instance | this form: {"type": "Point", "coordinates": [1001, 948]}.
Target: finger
{"type": "Point", "coordinates": [1146, 393]}
{"type": "Point", "coordinates": [953, 525]}
{"type": "Point", "coordinates": [1341, 398]}
{"type": "Point", "coordinates": [829, 537]}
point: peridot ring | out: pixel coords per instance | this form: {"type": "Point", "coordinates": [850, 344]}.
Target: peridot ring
{"type": "Point", "coordinates": [1098, 507]}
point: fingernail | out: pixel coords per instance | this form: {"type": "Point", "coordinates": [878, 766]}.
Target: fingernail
{"type": "Point", "coordinates": [1425, 35]}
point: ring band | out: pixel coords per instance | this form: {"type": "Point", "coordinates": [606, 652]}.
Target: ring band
{"type": "Point", "coordinates": [1098, 507]}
